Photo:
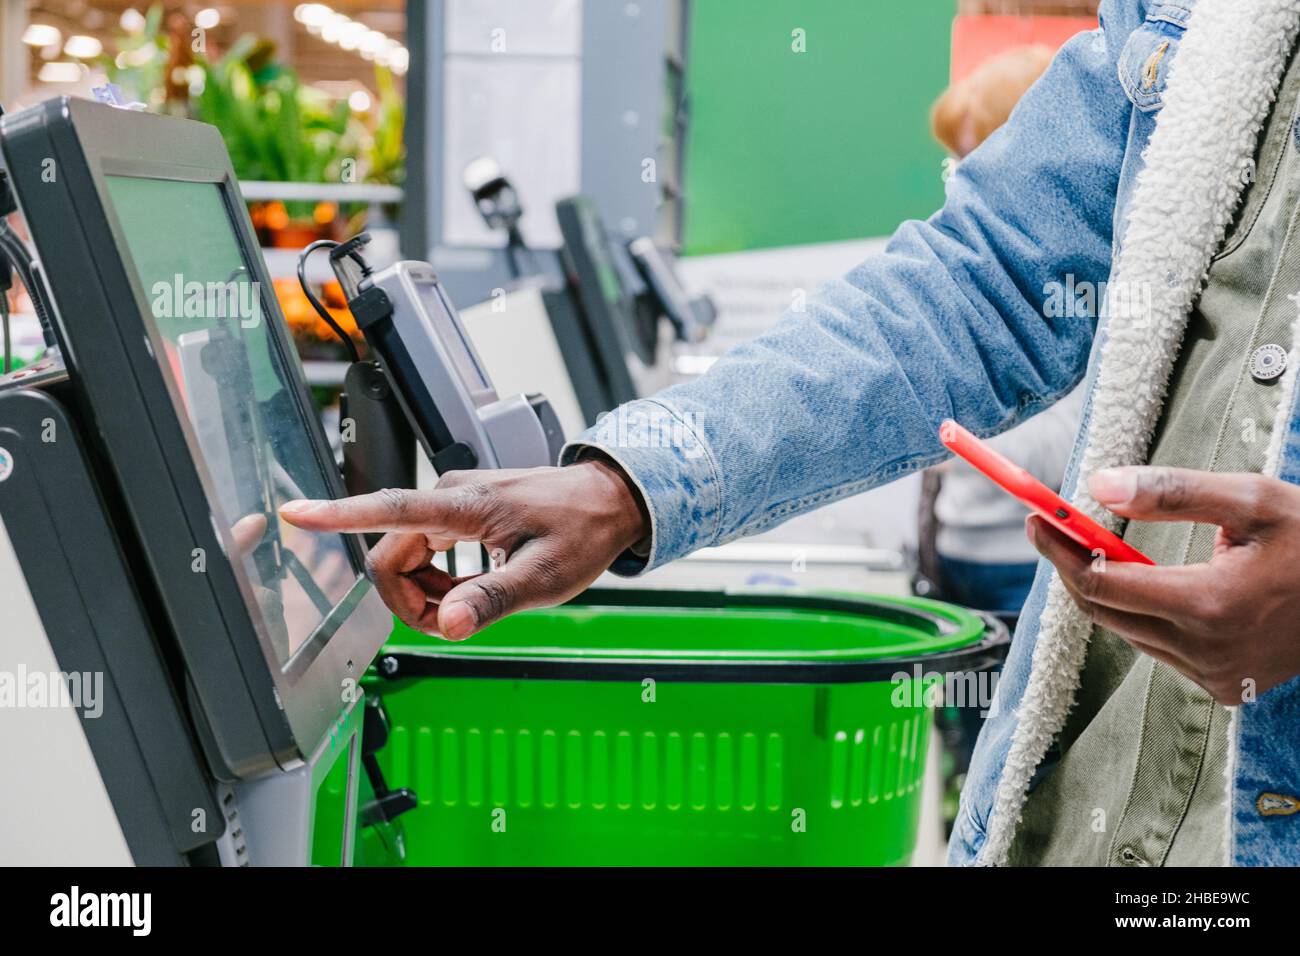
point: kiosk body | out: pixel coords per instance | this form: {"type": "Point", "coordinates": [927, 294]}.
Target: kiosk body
{"type": "Point", "coordinates": [597, 340]}
{"type": "Point", "coordinates": [185, 396]}
{"type": "Point", "coordinates": [691, 318]}
{"type": "Point", "coordinates": [530, 337]}
{"type": "Point", "coordinates": [624, 341]}
{"type": "Point", "coordinates": [128, 783]}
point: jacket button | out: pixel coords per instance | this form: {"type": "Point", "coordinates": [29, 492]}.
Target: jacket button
{"type": "Point", "coordinates": [1267, 362]}
{"type": "Point", "coordinates": [1130, 857]}
{"type": "Point", "coordinates": [1277, 805]}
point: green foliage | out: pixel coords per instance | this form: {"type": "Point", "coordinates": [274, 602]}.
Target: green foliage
{"type": "Point", "coordinates": [387, 155]}
{"type": "Point", "coordinates": [143, 60]}
{"type": "Point", "coordinates": [275, 127]}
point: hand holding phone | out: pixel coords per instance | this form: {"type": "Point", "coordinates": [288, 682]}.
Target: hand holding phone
{"type": "Point", "coordinates": [1036, 496]}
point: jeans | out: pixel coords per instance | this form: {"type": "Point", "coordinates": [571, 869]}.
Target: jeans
{"type": "Point", "coordinates": [1000, 588]}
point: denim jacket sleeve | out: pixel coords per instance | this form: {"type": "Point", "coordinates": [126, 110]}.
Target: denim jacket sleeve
{"type": "Point", "coordinates": [949, 321]}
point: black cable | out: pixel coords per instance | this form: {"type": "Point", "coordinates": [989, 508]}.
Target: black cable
{"type": "Point", "coordinates": [516, 249]}
{"type": "Point", "coordinates": [512, 260]}
{"type": "Point", "coordinates": [315, 303]}
{"type": "Point", "coordinates": [6, 283]}
{"type": "Point", "coordinates": [9, 344]}
{"type": "Point", "coordinates": [15, 250]}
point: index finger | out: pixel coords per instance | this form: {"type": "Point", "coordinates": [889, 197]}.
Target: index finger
{"type": "Point", "coordinates": [394, 509]}
{"type": "Point", "coordinates": [248, 532]}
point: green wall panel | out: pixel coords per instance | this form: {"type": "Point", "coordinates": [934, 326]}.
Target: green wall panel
{"type": "Point", "coordinates": [833, 143]}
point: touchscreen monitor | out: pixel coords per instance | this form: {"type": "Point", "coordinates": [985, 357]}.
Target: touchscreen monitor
{"type": "Point", "coordinates": [193, 402]}
{"type": "Point", "coordinates": [249, 445]}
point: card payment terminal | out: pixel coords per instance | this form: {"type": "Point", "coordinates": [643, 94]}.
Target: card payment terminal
{"type": "Point", "coordinates": [440, 382]}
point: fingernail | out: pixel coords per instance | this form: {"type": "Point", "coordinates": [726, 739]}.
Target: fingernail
{"type": "Point", "coordinates": [1031, 530]}
{"type": "Point", "coordinates": [456, 621]}
{"type": "Point", "coordinates": [1114, 486]}
{"type": "Point", "coordinates": [300, 508]}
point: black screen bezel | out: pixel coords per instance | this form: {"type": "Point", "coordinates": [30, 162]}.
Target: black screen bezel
{"type": "Point", "coordinates": [611, 329]}
{"type": "Point", "coordinates": [113, 167]}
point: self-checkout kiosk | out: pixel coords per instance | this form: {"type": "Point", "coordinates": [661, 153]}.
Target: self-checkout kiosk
{"type": "Point", "coordinates": [207, 656]}
{"type": "Point", "coordinates": [604, 336]}
{"type": "Point", "coordinates": [145, 461]}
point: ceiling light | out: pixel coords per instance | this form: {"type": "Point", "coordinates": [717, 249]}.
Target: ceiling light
{"type": "Point", "coordinates": [82, 47]}
{"type": "Point", "coordinates": [132, 21]}
{"type": "Point", "coordinates": [41, 34]}
{"type": "Point", "coordinates": [312, 15]}
{"type": "Point", "coordinates": [332, 30]}
{"type": "Point", "coordinates": [372, 43]}
{"type": "Point", "coordinates": [61, 72]}
{"type": "Point", "coordinates": [140, 56]}
{"type": "Point", "coordinates": [353, 35]}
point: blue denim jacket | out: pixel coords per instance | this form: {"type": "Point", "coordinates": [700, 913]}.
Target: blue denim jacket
{"type": "Point", "coordinates": [848, 392]}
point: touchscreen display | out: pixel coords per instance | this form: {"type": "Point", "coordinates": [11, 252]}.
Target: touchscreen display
{"type": "Point", "coordinates": [597, 245]}
{"type": "Point", "coordinates": [250, 442]}
{"type": "Point", "coordinates": [451, 335]}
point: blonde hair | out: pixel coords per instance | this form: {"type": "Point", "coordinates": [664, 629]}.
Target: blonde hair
{"type": "Point", "coordinates": [972, 108]}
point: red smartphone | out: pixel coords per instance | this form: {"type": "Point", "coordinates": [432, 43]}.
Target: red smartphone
{"type": "Point", "coordinates": [1037, 497]}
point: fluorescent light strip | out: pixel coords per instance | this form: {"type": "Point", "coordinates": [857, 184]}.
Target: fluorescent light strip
{"type": "Point", "coordinates": [352, 35]}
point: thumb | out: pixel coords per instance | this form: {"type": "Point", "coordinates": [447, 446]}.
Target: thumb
{"type": "Point", "coordinates": [475, 603]}
{"type": "Point", "coordinates": [1236, 501]}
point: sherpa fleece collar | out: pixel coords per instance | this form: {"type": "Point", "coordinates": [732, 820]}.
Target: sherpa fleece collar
{"type": "Point", "coordinates": [1220, 89]}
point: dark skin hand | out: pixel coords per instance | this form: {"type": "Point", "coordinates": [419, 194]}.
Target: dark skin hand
{"type": "Point", "coordinates": [1229, 623]}
{"type": "Point", "coordinates": [550, 533]}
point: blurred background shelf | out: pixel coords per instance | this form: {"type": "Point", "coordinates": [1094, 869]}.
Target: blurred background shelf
{"type": "Point", "coordinates": [370, 193]}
